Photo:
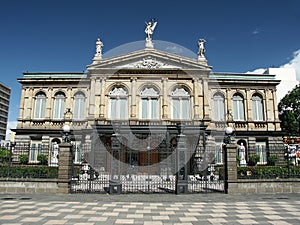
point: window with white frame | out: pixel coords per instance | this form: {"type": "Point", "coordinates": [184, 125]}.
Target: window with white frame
{"type": "Point", "coordinates": [79, 106]}
{"type": "Point", "coordinates": [180, 100]}
{"type": "Point", "coordinates": [59, 106]}
{"type": "Point", "coordinates": [149, 103]}
{"type": "Point", "coordinates": [257, 107]}
{"type": "Point", "coordinates": [261, 151]}
{"type": "Point", "coordinates": [219, 107]}
{"type": "Point", "coordinates": [76, 145]}
{"type": "Point", "coordinates": [118, 103]}
{"type": "Point", "coordinates": [238, 107]}
{"type": "Point", "coordinates": [35, 150]}
{"type": "Point", "coordinates": [40, 106]}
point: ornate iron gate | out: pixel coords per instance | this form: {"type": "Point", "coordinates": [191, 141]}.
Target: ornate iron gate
{"type": "Point", "coordinates": [160, 169]}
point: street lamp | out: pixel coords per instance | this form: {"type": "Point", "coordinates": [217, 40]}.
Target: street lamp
{"type": "Point", "coordinates": [228, 132]}
{"type": "Point", "coordinates": [66, 132]}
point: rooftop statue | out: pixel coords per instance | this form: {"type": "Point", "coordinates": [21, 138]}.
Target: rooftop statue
{"type": "Point", "coordinates": [201, 48]}
{"type": "Point", "coordinates": [150, 26]}
{"type": "Point", "coordinates": [99, 45]}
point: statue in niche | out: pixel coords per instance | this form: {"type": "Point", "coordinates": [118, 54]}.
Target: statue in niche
{"type": "Point", "coordinates": [201, 48]}
{"type": "Point", "coordinates": [242, 154]}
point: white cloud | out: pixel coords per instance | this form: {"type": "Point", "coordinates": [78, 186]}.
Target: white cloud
{"type": "Point", "coordinates": [294, 63]}
{"type": "Point", "coordinates": [257, 71]}
{"type": "Point", "coordinates": [10, 125]}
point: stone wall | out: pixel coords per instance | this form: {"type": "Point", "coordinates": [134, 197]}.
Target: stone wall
{"type": "Point", "coordinates": [260, 186]}
{"type": "Point", "coordinates": [28, 186]}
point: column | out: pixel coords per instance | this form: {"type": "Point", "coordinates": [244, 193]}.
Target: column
{"type": "Point", "coordinates": [22, 104]}
{"type": "Point", "coordinates": [196, 99]}
{"type": "Point", "coordinates": [165, 100]}
{"type": "Point", "coordinates": [205, 100]}
{"type": "Point", "coordinates": [92, 99]}
{"type": "Point", "coordinates": [102, 98]}
{"type": "Point", "coordinates": [115, 185]}
{"type": "Point", "coordinates": [133, 98]}
{"type": "Point", "coordinates": [98, 89]}
{"type": "Point", "coordinates": [49, 103]}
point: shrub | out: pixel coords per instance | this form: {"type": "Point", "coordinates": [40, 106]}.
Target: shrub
{"type": "Point", "coordinates": [20, 171]}
{"type": "Point", "coordinates": [273, 159]}
{"type": "Point", "coordinates": [23, 159]}
{"type": "Point", "coordinates": [4, 155]}
{"type": "Point", "coordinates": [253, 159]}
{"type": "Point", "coordinates": [43, 159]}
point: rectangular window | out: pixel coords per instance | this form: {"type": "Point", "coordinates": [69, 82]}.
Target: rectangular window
{"type": "Point", "coordinates": [35, 150]}
{"type": "Point", "coordinates": [261, 151]}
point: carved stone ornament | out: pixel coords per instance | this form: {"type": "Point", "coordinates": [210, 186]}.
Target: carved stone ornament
{"type": "Point", "coordinates": [149, 62]}
{"type": "Point", "coordinates": [180, 92]}
{"type": "Point", "coordinates": [149, 92]}
{"type": "Point", "coordinates": [118, 92]}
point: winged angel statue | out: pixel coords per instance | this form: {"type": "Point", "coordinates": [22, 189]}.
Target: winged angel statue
{"type": "Point", "coordinates": [150, 26]}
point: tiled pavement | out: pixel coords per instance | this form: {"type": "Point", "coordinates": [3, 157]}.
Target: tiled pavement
{"type": "Point", "coordinates": [149, 209]}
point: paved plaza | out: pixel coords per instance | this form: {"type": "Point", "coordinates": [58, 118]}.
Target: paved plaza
{"type": "Point", "coordinates": [149, 209]}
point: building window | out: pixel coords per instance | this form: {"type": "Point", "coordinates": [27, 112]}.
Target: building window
{"type": "Point", "coordinates": [261, 151]}
{"type": "Point", "coordinates": [149, 103]}
{"type": "Point", "coordinates": [118, 103]}
{"type": "Point", "coordinates": [238, 108]}
{"type": "Point", "coordinates": [40, 106]}
{"type": "Point", "coordinates": [257, 107]}
{"type": "Point", "coordinates": [35, 150]}
{"type": "Point", "coordinates": [59, 106]}
{"type": "Point", "coordinates": [219, 107]}
{"type": "Point", "coordinates": [180, 100]}
{"type": "Point", "coordinates": [79, 106]}
{"type": "Point", "coordinates": [77, 151]}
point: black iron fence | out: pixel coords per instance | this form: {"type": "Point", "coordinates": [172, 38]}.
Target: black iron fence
{"type": "Point", "coordinates": [265, 163]}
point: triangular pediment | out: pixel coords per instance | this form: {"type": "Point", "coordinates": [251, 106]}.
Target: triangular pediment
{"type": "Point", "coordinates": [149, 59]}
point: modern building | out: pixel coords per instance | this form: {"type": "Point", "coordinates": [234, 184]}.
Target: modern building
{"type": "Point", "coordinates": [4, 106]}
{"type": "Point", "coordinates": [133, 107]}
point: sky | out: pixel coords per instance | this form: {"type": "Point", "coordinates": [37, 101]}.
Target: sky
{"type": "Point", "coordinates": [60, 35]}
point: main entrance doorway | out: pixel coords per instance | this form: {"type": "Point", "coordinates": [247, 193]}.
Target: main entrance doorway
{"type": "Point", "coordinates": [151, 164]}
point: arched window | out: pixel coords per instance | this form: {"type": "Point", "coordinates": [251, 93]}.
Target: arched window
{"type": "Point", "coordinates": [118, 103]}
{"type": "Point", "coordinates": [149, 103]}
{"type": "Point", "coordinates": [59, 106]}
{"type": "Point", "coordinates": [238, 107]}
{"type": "Point", "coordinates": [180, 100]}
{"type": "Point", "coordinates": [40, 106]}
{"type": "Point", "coordinates": [79, 106]}
{"type": "Point", "coordinates": [219, 107]}
{"type": "Point", "coordinates": [257, 107]}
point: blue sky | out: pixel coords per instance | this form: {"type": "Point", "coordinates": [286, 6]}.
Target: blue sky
{"type": "Point", "coordinates": [60, 35]}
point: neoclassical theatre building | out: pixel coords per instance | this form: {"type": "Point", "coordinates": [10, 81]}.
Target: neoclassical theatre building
{"type": "Point", "coordinates": [147, 97]}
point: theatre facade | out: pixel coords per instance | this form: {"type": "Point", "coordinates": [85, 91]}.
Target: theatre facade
{"type": "Point", "coordinates": [136, 107]}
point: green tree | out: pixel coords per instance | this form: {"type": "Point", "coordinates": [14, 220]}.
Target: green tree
{"type": "Point", "coordinates": [289, 112]}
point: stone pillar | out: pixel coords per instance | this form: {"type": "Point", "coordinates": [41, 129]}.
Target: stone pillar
{"type": "Point", "coordinates": [206, 106]}
{"type": "Point", "coordinates": [115, 185]}
{"type": "Point", "coordinates": [230, 166]}
{"type": "Point", "coordinates": [65, 168]}
{"type": "Point", "coordinates": [181, 167]}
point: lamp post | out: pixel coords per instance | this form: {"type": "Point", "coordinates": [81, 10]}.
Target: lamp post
{"type": "Point", "coordinates": [66, 132]}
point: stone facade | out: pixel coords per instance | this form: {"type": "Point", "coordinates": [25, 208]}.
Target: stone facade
{"type": "Point", "coordinates": [142, 89]}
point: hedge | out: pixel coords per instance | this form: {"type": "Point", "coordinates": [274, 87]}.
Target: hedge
{"type": "Point", "coordinates": [29, 172]}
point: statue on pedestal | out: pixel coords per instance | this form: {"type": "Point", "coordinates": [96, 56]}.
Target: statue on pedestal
{"type": "Point", "coordinates": [150, 26]}
{"type": "Point", "coordinates": [99, 45]}
{"type": "Point", "coordinates": [201, 49]}
{"type": "Point", "coordinates": [242, 154]}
